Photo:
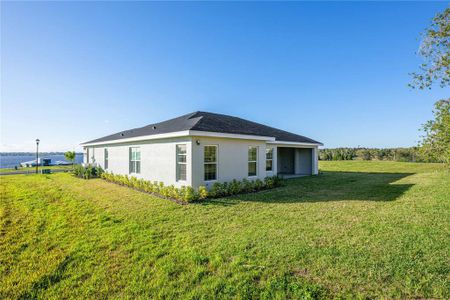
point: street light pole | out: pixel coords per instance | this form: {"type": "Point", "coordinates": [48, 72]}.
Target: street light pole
{"type": "Point", "coordinates": [37, 155]}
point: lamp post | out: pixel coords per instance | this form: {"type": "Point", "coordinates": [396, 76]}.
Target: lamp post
{"type": "Point", "coordinates": [37, 154]}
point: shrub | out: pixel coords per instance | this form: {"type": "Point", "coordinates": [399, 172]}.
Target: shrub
{"type": "Point", "coordinates": [148, 186]}
{"type": "Point", "coordinates": [258, 185]}
{"type": "Point", "coordinates": [202, 192]}
{"type": "Point", "coordinates": [269, 182]}
{"type": "Point", "coordinates": [164, 191]}
{"type": "Point", "coordinates": [277, 181]}
{"type": "Point", "coordinates": [190, 194]}
{"type": "Point", "coordinates": [77, 170]}
{"type": "Point", "coordinates": [247, 186]}
{"type": "Point", "coordinates": [133, 182]}
{"type": "Point", "coordinates": [225, 189]}
{"type": "Point", "coordinates": [87, 172]}
{"type": "Point", "coordinates": [155, 187]}
{"type": "Point", "coordinates": [235, 187]}
{"type": "Point", "coordinates": [215, 190]}
{"type": "Point", "coordinates": [184, 193]}
{"type": "Point", "coordinates": [174, 192]}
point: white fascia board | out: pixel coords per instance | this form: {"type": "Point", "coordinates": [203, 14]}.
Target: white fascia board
{"type": "Point", "coordinates": [141, 138]}
{"type": "Point", "coordinates": [230, 135]}
{"type": "Point", "coordinates": [282, 143]}
{"type": "Point", "coordinates": [182, 134]}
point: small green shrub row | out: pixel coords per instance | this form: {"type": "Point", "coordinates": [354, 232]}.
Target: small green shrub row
{"type": "Point", "coordinates": [87, 172]}
{"type": "Point", "coordinates": [185, 193]}
{"type": "Point", "coordinates": [189, 194]}
{"type": "Point", "coordinates": [235, 187]}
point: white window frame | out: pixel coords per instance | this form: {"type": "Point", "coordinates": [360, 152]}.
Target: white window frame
{"type": "Point", "coordinates": [211, 163]}
{"type": "Point", "coordinates": [252, 161]}
{"type": "Point", "coordinates": [106, 158]}
{"type": "Point", "coordinates": [130, 161]}
{"type": "Point", "coordinates": [178, 163]}
{"type": "Point", "coordinates": [269, 150]}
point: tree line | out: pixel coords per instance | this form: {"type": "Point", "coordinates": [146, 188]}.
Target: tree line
{"type": "Point", "coordinates": [411, 154]}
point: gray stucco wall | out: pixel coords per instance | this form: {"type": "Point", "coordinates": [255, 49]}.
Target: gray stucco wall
{"type": "Point", "coordinates": [303, 161]}
{"type": "Point", "coordinates": [158, 161]}
{"type": "Point", "coordinates": [286, 159]}
{"type": "Point", "coordinates": [232, 159]}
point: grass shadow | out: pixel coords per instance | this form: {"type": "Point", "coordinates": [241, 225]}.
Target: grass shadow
{"type": "Point", "coordinates": [329, 186]}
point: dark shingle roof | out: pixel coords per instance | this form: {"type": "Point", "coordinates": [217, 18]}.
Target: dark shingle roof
{"type": "Point", "coordinates": [205, 121]}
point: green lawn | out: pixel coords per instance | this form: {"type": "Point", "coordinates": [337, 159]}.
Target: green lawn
{"type": "Point", "coordinates": [359, 229]}
{"type": "Point", "coordinates": [33, 169]}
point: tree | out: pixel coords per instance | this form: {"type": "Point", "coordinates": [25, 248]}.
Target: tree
{"type": "Point", "coordinates": [435, 48]}
{"type": "Point", "coordinates": [366, 154]}
{"type": "Point", "coordinates": [435, 145]}
{"type": "Point", "coordinates": [70, 156]}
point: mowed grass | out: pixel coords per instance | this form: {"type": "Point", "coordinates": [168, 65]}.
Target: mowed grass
{"type": "Point", "coordinates": [359, 229]}
{"type": "Point", "coordinates": [33, 169]}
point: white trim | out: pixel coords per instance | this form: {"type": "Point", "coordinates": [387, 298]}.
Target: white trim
{"type": "Point", "coordinates": [294, 143]}
{"type": "Point", "coordinates": [177, 163]}
{"type": "Point", "coordinates": [271, 149]}
{"type": "Point", "coordinates": [181, 134]}
{"type": "Point", "coordinates": [251, 161]}
{"type": "Point", "coordinates": [216, 162]}
{"type": "Point", "coordinates": [130, 154]}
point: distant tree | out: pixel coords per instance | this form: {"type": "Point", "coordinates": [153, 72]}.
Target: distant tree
{"type": "Point", "coordinates": [70, 156]}
{"type": "Point", "coordinates": [411, 154]}
{"type": "Point", "coordinates": [435, 144]}
{"type": "Point", "coordinates": [435, 49]}
{"type": "Point", "coordinates": [367, 154]}
{"type": "Point", "coordinates": [380, 154]}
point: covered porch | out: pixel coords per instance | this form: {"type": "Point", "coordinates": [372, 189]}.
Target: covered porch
{"type": "Point", "coordinates": [296, 161]}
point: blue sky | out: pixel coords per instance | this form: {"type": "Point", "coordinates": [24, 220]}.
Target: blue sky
{"type": "Point", "coordinates": [336, 72]}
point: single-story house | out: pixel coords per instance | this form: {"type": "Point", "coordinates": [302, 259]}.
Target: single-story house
{"type": "Point", "coordinates": [201, 148]}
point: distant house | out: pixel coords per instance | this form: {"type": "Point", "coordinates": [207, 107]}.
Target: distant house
{"type": "Point", "coordinates": [200, 148]}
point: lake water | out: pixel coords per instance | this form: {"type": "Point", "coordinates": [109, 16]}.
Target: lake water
{"type": "Point", "coordinates": [9, 161]}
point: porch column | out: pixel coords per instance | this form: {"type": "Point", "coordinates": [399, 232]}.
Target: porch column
{"type": "Point", "coordinates": [297, 162]}
{"type": "Point", "coordinates": [86, 155]}
{"type": "Point", "coordinates": [315, 161]}
{"type": "Point", "coordinates": [275, 160]}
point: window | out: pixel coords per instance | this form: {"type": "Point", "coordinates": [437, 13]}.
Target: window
{"type": "Point", "coordinates": [106, 158]}
{"type": "Point", "coordinates": [269, 159]}
{"type": "Point", "coordinates": [210, 162]}
{"type": "Point", "coordinates": [252, 160]}
{"type": "Point", "coordinates": [181, 162]}
{"type": "Point", "coordinates": [87, 155]}
{"type": "Point", "coordinates": [135, 160]}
